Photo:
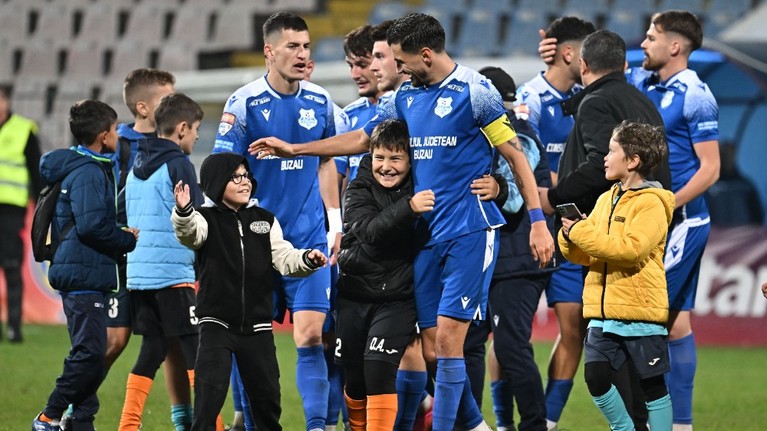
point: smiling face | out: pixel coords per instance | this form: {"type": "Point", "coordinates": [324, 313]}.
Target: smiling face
{"type": "Point", "coordinates": [411, 64]}
{"type": "Point", "coordinates": [390, 167]}
{"type": "Point", "coordinates": [237, 195]}
{"type": "Point", "coordinates": [384, 67]}
{"type": "Point", "coordinates": [288, 53]}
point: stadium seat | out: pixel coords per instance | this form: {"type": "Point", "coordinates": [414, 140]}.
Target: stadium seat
{"type": "Point", "coordinates": [127, 56]}
{"type": "Point", "coordinates": [480, 34]}
{"type": "Point", "coordinates": [645, 7]}
{"type": "Point", "coordinates": [146, 24]}
{"type": "Point", "coordinates": [85, 59]}
{"type": "Point", "coordinates": [14, 21]}
{"type": "Point", "coordinates": [522, 34]}
{"type": "Point", "coordinates": [548, 7]}
{"type": "Point", "coordinates": [722, 14]}
{"type": "Point", "coordinates": [6, 61]}
{"type": "Point", "coordinates": [54, 23]}
{"type": "Point", "coordinates": [40, 59]}
{"type": "Point", "coordinates": [631, 25]}
{"type": "Point", "coordinates": [100, 23]}
{"type": "Point", "coordinates": [697, 7]}
{"type": "Point", "coordinates": [329, 49]}
{"type": "Point", "coordinates": [29, 97]}
{"type": "Point", "coordinates": [452, 6]}
{"type": "Point", "coordinates": [234, 28]}
{"type": "Point", "coordinates": [448, 19]}
{"type": "Point", "coordinates": [387, 10]}
{"type": "Point", "coordinates": [192, 25]}
{"type": "Point", "coordinates": [177, 57]}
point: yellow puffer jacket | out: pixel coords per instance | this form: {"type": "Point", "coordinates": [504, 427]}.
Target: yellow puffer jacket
{"type": "Point", "coordinates": [623, 248]}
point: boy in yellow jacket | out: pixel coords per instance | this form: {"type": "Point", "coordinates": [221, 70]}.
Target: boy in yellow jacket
{"type": "Point", "coordinates": [624, 298]}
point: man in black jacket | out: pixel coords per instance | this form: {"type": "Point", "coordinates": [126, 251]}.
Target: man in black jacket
{"type": "Point", "coordinates": [606, 101]}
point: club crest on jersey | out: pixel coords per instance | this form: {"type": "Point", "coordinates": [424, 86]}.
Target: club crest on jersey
{"type": "Point", "coordinates": [665, 102]}
{"type": "Point", "coordinates": [260, 227]}
{"type": "Point", "coordinates": [444, 106]}
{"type": "Point", "coordinates": [227, 121]}
{"type": "Point", "coordinates": [307, 119]}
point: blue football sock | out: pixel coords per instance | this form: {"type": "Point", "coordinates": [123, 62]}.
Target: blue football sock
{"type": "Point", "coordinates": [503, 403]}
{"type": "Point", "coordinates": [410, 389]}
{"type": "Point", "coordinates": [236, 385]}
{"type": "Point", "coordinates": [557, 393]}
{"type": "Point", "coordinates": [680, 379]}
{"type": "Point", "coordinates": [612, 407]}
{"type": "Point", "coordinates": [336, 389]}
{"type": "Point", "coordinates": [179, 415]}
{"type": "Point", "coordinates": [660, 414]}
{"type": "Point", "coordinates": [313, 385]}
{"type": "Point", "coordinates": [468, 410]}
{"type": "Point", "coordinates": [448, 390]}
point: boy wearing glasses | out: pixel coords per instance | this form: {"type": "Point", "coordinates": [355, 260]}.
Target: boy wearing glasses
{"type": "Point", "coordinates": [160, 272]}
{"type": "Point", "coordinates": [237, 246]}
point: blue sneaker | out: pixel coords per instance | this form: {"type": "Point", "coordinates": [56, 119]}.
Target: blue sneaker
{"type": "Point", "coordinates": [38, 425]}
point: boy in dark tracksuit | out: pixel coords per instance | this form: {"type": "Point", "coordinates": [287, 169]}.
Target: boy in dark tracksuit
{"type": "Point", "coordinates": [237, 246]}
{"type": "Point", "coordinates": [83, 269]}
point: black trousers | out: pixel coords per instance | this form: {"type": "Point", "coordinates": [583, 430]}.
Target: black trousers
{"type": "Point", "coordinates": [257, 362]}
{"type": "Point", "coordinates": [11, 259]}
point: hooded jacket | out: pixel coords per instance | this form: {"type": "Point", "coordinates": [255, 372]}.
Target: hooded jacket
{"type": "Point", "coordinates": [85, 258]}
{"type": "Point", "coordinates": [237, 253]}
{"type": "Point", "coordinates": [377, 249]}
{"type": "Point", "coordinates": [622, 241]}
{"type": "Point", "coordinates": [159, 260]}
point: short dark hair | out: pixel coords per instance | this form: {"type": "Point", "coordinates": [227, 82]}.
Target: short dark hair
{"type": "Point", "coordinates": [643, 140]}
{"type": "Point", "coordinates": [604, 51]}
{"type": "Point", "coordinates": [359, 42]}
{"type": "Point", "coordinates": [681, 22]}
{"type": "Point", "coordinates": [415, 31]}
{"type": "Point", "coordinates": [392, 135]}
{"type": "Point", "coordinates": [379, 31]}
{"type": "Point", "coordinates": [569, 28]}
{"type": "Point", "coordinates": [140, 82]}
{"type": "Point", "coordinates": [174, 109]}
{"type": "Point", "coordinates": [88, 118]}
{"type": "Point", "coordinates": [280, 21]}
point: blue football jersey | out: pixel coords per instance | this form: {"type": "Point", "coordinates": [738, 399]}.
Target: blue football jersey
{"type": "Point", "coordinates": [546, 117]}
{"type": "Point", "coordinates": [448, 124]}
{"type": "Point", "coordinates": [690, 115]}
{"type": "Point", "coordinates": [287, 187]}
{"type": "Point", "coordinates": [358, 113]}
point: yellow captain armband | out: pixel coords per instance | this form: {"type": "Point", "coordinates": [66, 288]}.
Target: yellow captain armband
{"type": "Point", "coordinates": [499, 131]}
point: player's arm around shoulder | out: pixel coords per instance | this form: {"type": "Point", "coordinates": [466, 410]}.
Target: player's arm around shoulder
{"type": "Point", "coordinates": [189, 225]}
{"type": "Point", "coordinates": [291, 261]}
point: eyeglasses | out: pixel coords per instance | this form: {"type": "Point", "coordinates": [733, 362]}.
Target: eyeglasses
{"type": "Point", "coordinates": [237, 178]}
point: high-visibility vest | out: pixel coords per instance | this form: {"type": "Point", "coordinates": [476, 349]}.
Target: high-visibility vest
{"type": "Point", "coordinates": [14, 177]}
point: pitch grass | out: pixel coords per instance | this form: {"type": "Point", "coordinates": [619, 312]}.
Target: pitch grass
{"type": "Point", "coordinates": [729, 393]}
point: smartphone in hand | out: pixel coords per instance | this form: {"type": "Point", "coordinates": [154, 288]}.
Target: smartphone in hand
{"type": "Point", "coordinates": [569, 211]}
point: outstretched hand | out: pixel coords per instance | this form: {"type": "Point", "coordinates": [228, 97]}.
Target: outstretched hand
{"type": "Point", "coordinates": [317, 257]}
{"type": "Point", "coordinates": [541, 243]}
{"type": "Point", "coordinates": [181, 193]}
{"type": "Point", "coordinates": [270, 146]}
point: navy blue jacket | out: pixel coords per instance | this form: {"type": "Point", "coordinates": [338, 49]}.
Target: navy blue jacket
{"type": "Point", "coordinates": [85, 258]}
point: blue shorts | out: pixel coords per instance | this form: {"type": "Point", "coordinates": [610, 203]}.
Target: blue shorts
{"type": "Point", "coordinates": [452, 277]}
{"type": "Point", "coordinates": [302, 294]}
{"type": "Point", "coordinates": [566, 284]}
{"type": "Point", "coordinates": [684, 250]}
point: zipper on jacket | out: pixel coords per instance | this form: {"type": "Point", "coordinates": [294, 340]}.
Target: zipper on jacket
{"type": "Point", "coordinates": [242, 277]}
{"type": "Point", "coordinates": [604, 280]}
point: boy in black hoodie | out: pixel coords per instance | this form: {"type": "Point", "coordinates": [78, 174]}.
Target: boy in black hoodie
{"type": "Point", "coordinates": [237, 247]}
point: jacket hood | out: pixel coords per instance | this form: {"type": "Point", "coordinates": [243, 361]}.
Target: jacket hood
{"type": "Point", "coordinates": [152, 154]}
{"type": "Point", "coordinates": [56, 164]}
{"type": "Point", "coordinates": [656, 188]}
{"type": "Point", "coordinates": [216, 171]}
{"type": "Point", "coordinates": [126, 130]}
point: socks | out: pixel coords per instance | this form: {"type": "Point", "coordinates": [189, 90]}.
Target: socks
{"type": "Point", "coordinates": [680, 379]}
{"type": "Point", "coordinates": [557, 393]}
{"type": "Point", "coordinates": [313, 385]}
{"type": "Point", "coordinates": [357, 413]}
{"type": "Point", "coordinates": [614, 410]}
{"type": "Point", "coordinates": [381, 412]}
{"type": "Point", "coordinates": [660, 412]}
{"type": "Point", "coordinates": [503, 403]}
{"type": "Point", "coordinates": [136, 390]}
{"type": "Point", "coordinates": [410, 387]}
{"type": "Point", "coordinates": [469, 413]}
{"type": "Point", "coordinates": [448, 390]}
{"type": "Point", "coordinates": [336, 390]}
{"type": "Point", "coordinates": [179, 415]}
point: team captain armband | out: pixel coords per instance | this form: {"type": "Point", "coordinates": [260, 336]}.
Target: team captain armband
{"type": "Point", "coordinates": [499, 131]}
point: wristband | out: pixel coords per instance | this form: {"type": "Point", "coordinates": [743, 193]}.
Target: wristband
{"type": "Point", "coordinates": [536, 215]}
{"type": "Point", "coordinates": [186, 211]}
{"type": "Point", "coordinates": [308, 262]}
{"type": "Point", "coordinates": [335, 224]}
